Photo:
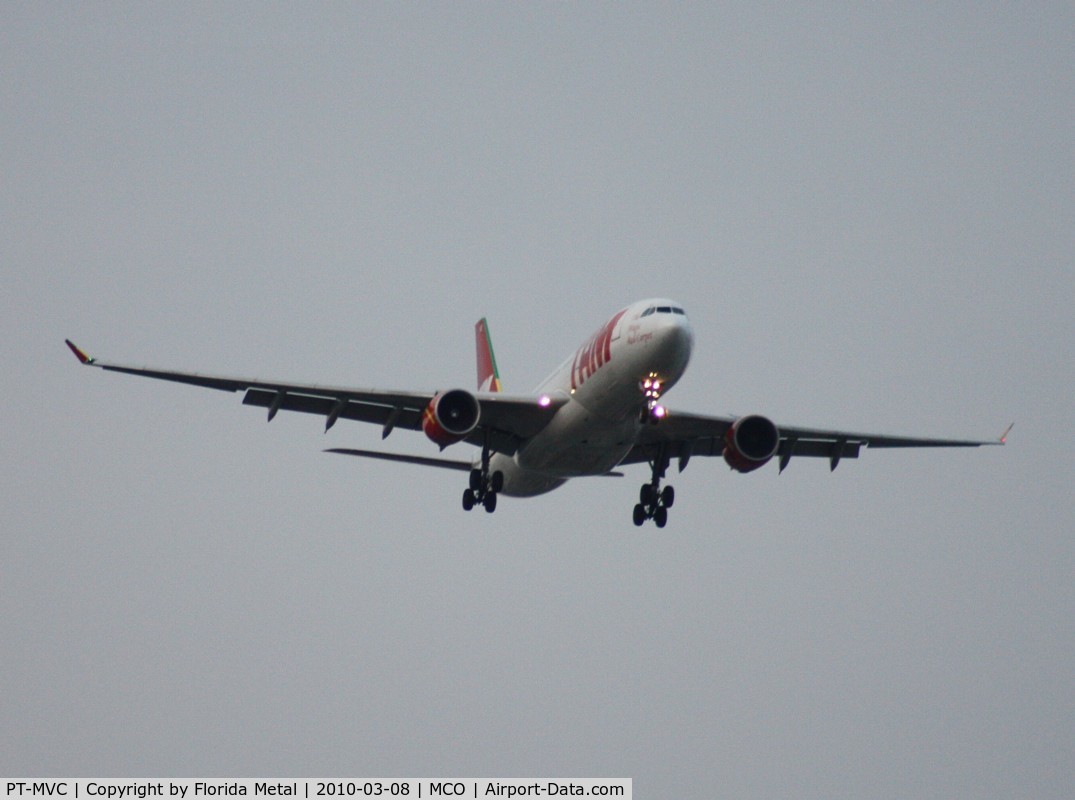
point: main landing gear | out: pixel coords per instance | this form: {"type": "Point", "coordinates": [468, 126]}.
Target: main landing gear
{"type": "Point", "coordinates": [483, 490]}
{"type": "Point", "coordinates": [654, 501]}
{"type": "Point", "coordinates": [484, 486]}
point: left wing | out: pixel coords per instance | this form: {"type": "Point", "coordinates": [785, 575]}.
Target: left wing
{"type": "Point", "coordinates": [506, 420]}
{"type": "Point", "coordinates": [683, 435]}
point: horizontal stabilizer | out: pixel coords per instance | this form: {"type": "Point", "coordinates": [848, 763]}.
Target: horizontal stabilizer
{"type": "Point", "coordinates": [445, 463]}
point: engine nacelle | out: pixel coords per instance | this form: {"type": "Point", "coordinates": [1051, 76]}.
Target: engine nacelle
{"type": "Point", "coordinates": [750, 442]}
{"type": "Point", "coordinates": [450, 416]}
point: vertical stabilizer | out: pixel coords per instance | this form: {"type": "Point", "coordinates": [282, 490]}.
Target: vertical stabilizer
{"type": "Point", "coordinates": [488, 376]}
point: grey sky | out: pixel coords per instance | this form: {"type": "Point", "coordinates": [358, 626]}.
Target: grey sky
{"type": "Point", "coordinates": [869, 215]}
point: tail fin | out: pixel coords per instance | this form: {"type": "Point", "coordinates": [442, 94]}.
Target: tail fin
{"type": "Point", "coordinates": [488, 376]}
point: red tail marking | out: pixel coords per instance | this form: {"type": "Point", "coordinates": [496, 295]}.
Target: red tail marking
{"type": "Point", "coordinates": [488, 375]}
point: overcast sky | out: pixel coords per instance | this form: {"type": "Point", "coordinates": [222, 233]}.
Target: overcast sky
{"type": "Point", "coordinates": [868, 212]}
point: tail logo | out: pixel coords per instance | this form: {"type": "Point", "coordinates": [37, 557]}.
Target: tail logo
{"type": "Point", "coordinates": [488, 375]}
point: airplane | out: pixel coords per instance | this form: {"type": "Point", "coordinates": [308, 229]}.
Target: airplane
{"type": "Point", "coordinates": [600, 410]}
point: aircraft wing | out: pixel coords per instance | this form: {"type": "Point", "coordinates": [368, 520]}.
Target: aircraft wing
{"type": "Point", "coordinates": [506, 419]}
{"type": "Point", "coordinates": [683, 435]}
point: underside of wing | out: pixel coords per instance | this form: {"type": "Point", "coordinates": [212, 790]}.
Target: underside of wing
{"type": "Point", "coordinates": [684, 435]}
{"type": "Point", "coordinates": [502, 422]}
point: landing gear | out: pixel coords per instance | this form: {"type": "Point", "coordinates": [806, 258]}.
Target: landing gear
{"type": "Point", "coordinates": [640, 514]}
{"type": "Point", "coordinates": [654, 504]}
{"type": "Point", "coordinates": [483, 490]}
{"type": "Point", "coordinates": [668, 496]}
{"type": "Point", "coordinates": [654, 501]}
{"type": "Point", "coordinates": [660, 516]}
{"type": "Point", "coordinates": [484, 486]}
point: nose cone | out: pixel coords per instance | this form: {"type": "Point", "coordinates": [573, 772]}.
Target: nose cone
{"type": "Point", "coordinates": [675, 339]}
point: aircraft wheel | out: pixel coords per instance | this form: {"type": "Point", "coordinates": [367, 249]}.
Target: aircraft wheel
{"type": "Point", "coordinates": [660, 516]}
{"type": "Point", "coordinates": [475, 480]}
{"type": "Point", "coordinates": [668, 496]}
{"type": "Point", "coordinates": [468, 499]}
{"type": "Point", "coordinates": [490, 502]}
{"type": "Point", "coordinates": [496, 483]}
{"type": "Point", "coordinates": [648, 494]}
{"type": "Point", "coordinates": [639, 515]}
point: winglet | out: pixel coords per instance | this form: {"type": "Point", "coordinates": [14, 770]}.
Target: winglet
{"type": "Point", "coordinates": [1004, 436]}
{"type": "Point", "coordinates": [79, 354]}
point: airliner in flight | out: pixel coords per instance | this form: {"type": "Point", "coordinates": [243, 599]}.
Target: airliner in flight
{"type": "Point", "coordinates": [600, 410]}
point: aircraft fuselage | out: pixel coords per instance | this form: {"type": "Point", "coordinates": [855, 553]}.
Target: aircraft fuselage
{"type": "Point", "coordinates": [604, 383]}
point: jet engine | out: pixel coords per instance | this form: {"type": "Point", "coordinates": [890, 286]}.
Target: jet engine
{"type": "Point", "coordinates": [450, 416]}
{"type": "Point", "coordinates": [750, 442]}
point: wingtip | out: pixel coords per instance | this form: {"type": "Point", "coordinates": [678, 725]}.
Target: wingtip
{"type": "Point", "coordinates": [1004, 436]}
{"type": "Point", "coordinates": [79, 354]}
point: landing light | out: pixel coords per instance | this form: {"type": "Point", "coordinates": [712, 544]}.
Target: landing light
{"type": "Point", "coordinates": [651, 386]}
{"type": "Point", "coordinates": [651, 389]}
{"type": "Point", "coordinates": [544, 401]}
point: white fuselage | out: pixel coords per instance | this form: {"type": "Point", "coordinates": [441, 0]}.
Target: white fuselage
{"type": "Point", "coordinates": [603, 382]}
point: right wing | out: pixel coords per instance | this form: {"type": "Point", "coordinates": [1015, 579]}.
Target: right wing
{"type": "Point", "coordinates": [506, 420]}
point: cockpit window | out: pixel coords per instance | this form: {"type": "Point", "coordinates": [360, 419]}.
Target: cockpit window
{"type": "Point", "coordinates": [663, 310]}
